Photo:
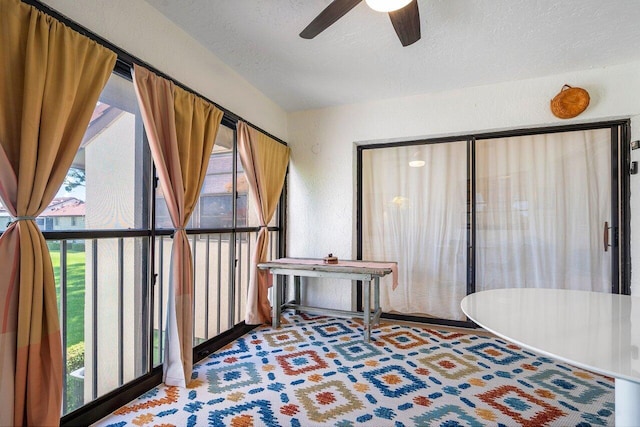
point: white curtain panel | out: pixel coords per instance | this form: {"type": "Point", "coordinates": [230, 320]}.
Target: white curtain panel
{"type": "Point", "coordinates": [541, 204]}
{"type": "Point", "coordinates": [542, 201]}
{"type": "Point", "coordinates": [417, 217]}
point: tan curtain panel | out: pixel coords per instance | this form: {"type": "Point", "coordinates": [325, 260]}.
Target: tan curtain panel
{"type": "Point", "coordinates": [50, 82]}
{"type": "Point", "coordinates": [264, 161]}
{"type": "Point", "coordinates": [181, 129]}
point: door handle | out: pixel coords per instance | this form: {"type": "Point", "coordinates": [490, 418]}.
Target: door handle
{"type": "Point", "coordinates": [605, 236]}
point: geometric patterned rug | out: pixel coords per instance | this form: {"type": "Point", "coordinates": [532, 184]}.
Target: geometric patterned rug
{"type": "Point", "coordinates": [317, 371]}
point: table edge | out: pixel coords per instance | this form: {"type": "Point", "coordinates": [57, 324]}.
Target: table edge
{"type": "Point", "coordinates": [543, 352]}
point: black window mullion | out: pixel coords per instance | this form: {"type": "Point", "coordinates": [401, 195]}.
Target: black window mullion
{"type": "Point", "coordinates": [219, 285]}
{"type": "Point", "coordinates": [359, 208]}
{"type": "Point", "coordinates": [625, 247]}
{"type": "Point", "coordinates": [94, 311]}
{"type": "Point", "coordinates": [206, 287]}
{"type": "Point", "coordinates": [120, 311]}
{"type": "Point", "coordinates": [471, 215]}
{"type": "Point", "coordinates": [63, 316]}
{"type": "Point", "coordinates": [615, 209]}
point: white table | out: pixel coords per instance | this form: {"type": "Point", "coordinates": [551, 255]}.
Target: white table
{"type": "Point", "coordinates": [366, 271]}
{"type": "Point", "coordinates": [599, 332]}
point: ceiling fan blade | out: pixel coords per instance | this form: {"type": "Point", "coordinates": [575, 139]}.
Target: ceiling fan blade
{"type": "Point", "coordinates": [406, 22]}
{"type": "Point", "coordinates": [336, 10]}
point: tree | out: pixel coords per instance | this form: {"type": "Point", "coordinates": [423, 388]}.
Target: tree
{"type": "Point", "coordinates": [75, 178]}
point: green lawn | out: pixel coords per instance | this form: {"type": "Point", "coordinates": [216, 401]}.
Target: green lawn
{"type": "Point", "coordinates": [75, 291]}
{"type": "Point", "coordinates": [74, 393]}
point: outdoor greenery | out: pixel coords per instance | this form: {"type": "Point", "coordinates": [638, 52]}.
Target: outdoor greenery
{"type": "Point", "coordinates": [75, 386]}
{"type": "Point", "coordinates": [75, 357]}
{"type": "Point", "coordinates": [76, 177]}
{"type": "Point", "coordinates": [75, 291]}
{"type": "Point", "coordinates": [74, 396]}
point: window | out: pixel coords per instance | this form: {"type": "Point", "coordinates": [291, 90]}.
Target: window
{"type": "Point", "coordinates": [221, 254]}
{"type": "Point", "coordinates": [101, 274]}
{"type": "Point", "coordinates": [111, 260]}
{"type": "Point", "coordinates": [214, 208]}
{"type": "Point", "coordinates": [99, 228]}
{"type": "Point", "coordinates": [112, 278]}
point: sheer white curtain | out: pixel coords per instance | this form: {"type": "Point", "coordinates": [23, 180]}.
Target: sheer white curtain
{"type": "Point", "coordinates": [542, 201]}
{"type": "Point", "coordinates": [417, 217]}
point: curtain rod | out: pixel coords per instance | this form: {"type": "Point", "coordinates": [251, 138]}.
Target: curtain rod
{"type": "Point", "coordinates": [125, 62]}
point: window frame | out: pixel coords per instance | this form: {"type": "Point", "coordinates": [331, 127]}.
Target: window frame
{"type": "Point", "coordinates": [102, 406]}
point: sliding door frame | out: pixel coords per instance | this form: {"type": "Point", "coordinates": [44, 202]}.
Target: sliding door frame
{"type": "Point", "coordinates": [620, 203]}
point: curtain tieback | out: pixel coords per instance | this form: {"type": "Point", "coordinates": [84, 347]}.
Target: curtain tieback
{"type": "Point", "coordinates": [21, 218]}
{"type": "Point", "coordinates": [176, 229]}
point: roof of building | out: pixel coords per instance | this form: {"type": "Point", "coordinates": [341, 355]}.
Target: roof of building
{"type": "Point", "coordinates": [59, 207]}
{"type": "Point", "coordinates": [65, 206]}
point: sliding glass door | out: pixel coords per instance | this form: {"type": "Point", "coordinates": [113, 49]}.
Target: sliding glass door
{"type": "Point", "coordinates": [541, 204]}
{"type": "Point", "coordinates": [415, 212]}
{"type": "Point", "coordinates": [494, 211]}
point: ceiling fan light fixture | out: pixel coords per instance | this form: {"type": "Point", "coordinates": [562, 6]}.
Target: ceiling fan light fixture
{"type": "Point", "coordinates": [387, 5]}
{"type": "Point", "coordinates": [404, 16]}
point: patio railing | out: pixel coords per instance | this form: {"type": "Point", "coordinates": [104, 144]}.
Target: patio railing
{"type": "Point", "coordinates": [112, 294]}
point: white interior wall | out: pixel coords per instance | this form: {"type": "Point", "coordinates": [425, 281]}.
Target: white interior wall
{"type": "Point", "coordinates": [323, 166]}
{"type": "Point", "coordinates": [139, 29]}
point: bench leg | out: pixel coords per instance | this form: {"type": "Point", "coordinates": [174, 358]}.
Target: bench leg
{"type": "Point", "coordinates": [277, 303]}
{"type": "Point", "coordinates": [367, 310]}
{"type": "Point", "coordinates": [376, 299]}
{"type": "Point", "coordinates": [296, 290]}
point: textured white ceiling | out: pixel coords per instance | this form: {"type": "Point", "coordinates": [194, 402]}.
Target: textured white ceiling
{"type": "Point", "coordinates": [359, 58]}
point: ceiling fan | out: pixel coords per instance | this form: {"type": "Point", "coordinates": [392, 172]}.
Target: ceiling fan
{"type": "Point", "coordinates": [403, 13]}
